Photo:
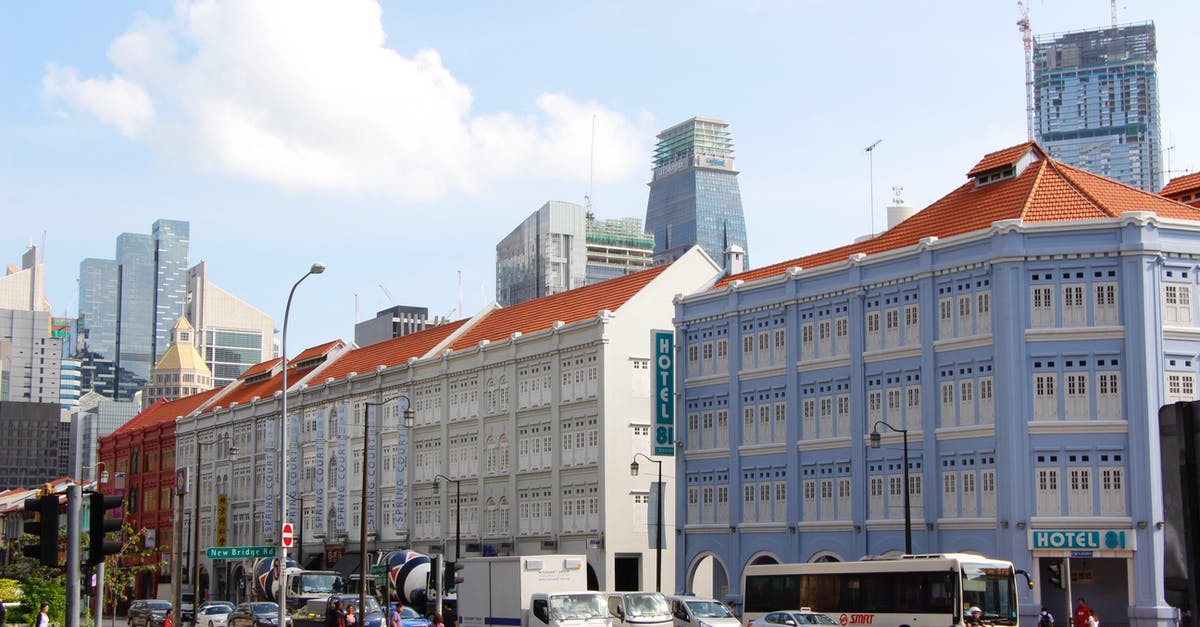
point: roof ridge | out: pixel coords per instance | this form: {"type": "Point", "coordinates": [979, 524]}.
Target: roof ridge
{"type": "Point", "coordinates": [1033, 187]}
{"type": "Point", "coordinates": [1058, 167]}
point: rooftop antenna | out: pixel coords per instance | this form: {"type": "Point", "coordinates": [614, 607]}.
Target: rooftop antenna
{"type": "Point", "coordinates": [1027, 38]}
{"type": "Point", "coordinates": [587, 199]}
{"type": "Point", "coordinates": [357, 312]}
{"type": "Point", "coordinates": [460, 291]}
{"type": "Point", "coordinates": [871, 165]}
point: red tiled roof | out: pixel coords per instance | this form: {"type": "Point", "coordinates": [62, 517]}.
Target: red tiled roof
{"type": "Point", "coordinates": [1046, 191]}
{"type": "Point", "coordinates": [260, 368]}
{"type": "Point", "coordinates": [391, 352]}
{"type": "Point", "coordinates": [570, 306]}
{"type": "Point", "coordinates": [317, 351]}
{"type": "Point", "coordinates": [1181, 185]}
{"type": "Point", "coordinates": [1001, 158]}
{"type": "Point", "coordinates": [164, 411]}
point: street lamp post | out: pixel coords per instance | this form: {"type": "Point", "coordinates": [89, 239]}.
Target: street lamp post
{"type": "Point", "coordinates": [409, 418]}
{"type": "Point", "coordinates": [200, 444]}
{"type": "Point", "coordinates": [875, 442]}
{"type": "Point", "coordinates": [457, 513]}
{"type": "Point", "coordinates": [281, 578]}
{"type": "Point", "coordinates": [633, 470]}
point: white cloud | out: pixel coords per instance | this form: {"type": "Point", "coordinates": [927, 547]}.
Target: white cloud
{"type": "Point", "coordinates": [115, 101]}
{"type": "Point", "coordinates": [303, 94]}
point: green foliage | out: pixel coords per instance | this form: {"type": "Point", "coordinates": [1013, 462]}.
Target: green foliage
{"type": "Point", "coordinates": [39, 590]}
{"type": "Point", "coordinates": [10, 590]}
{"type": "Point", "coordinates": [122, 569]}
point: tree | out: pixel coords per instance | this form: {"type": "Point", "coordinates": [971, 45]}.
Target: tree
{"type": "Point", "coordinates": [122, 569]}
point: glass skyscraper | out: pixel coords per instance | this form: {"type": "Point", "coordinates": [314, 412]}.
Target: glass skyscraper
{"type": "Point", "coordinates": [1096, 102]}
{"type": "Point", "coordinates": [127, 307]}
{"type": "Point", "coordinates": [694, 194]}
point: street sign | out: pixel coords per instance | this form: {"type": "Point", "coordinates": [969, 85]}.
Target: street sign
{"type": "Point", "coordinates": [379, 569]}
{"type": "Point", "coordinates": [237, 552]}
{"type": "Point", "coordinates": [286, 535]}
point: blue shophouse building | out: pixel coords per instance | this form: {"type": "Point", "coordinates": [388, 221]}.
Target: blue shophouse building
{"type": "Point", "coordinates": [1022, 332]}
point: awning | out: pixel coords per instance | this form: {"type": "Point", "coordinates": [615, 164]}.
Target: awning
{"type": "Point", "coordinates": [314, 562]}
{"type": "Point", "coordinates": [350, 565]}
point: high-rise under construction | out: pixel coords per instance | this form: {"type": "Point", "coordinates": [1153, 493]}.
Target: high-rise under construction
{"type": "Point", "coordinates": [1096, 102]}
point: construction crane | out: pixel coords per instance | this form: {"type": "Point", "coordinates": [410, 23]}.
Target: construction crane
{"type": "Point", "coordinates": [387, 293]}
{"type": "Point", "coordinates": [1027, 39]}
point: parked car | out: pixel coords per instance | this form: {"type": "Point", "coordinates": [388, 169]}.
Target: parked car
{"type": "Point", "coordinates": [148, 612]}
{"type": "Point", "coordinates": [187, 601]}
{"type": "Point", "coordinates": [256, 614]}
{"type": "Point", "coordinates": [313, 612]}
{"type": "Point", "coordinates": [213, 614]}
{"type": "Point", "coordinates": [793, 618]}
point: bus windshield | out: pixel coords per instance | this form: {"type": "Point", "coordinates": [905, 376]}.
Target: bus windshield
{"type": "Point", "coordinates": [990, 588]}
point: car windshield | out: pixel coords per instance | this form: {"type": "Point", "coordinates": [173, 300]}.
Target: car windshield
{"type": "Point", "coordinates": [218, 608]}
{"type": "Point", "coordinates": [709, 609]}
{"type": "Point", "coordinates": [577, 606]}
{"type": "Point", "coordinates": [408, 613]}
{"type": "Point", "coordinates": [264, 608]}
{"type": "Point", "coordinates": [158, 606]}
{"type": "Point", "coordinates": [646, 605]}
{"type": "Point", "coordinates": [815, 619]}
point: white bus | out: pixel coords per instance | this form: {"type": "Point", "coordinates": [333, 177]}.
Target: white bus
{"type": "Point", "coordinates": [903, 591]}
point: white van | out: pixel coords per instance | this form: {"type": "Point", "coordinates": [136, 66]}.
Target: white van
{"type": "Point", "coordinates": [690, 611]}
{"type": "Point", "coordinates": [639, 609]}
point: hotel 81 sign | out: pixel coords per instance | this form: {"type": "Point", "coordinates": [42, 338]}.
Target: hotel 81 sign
{"type": "Point", "coordinates": [664, 392]}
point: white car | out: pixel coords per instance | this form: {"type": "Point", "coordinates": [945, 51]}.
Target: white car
{"type": "Point", "coordinates": [213, 615]}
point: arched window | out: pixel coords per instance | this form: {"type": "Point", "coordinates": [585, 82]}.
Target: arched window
{"type": "Point", "coordinates": [332, 432]}
{"type": "Point", "coordinates": [332, 473]}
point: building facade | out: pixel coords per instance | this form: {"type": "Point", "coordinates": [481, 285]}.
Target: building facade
{"type": "Point", "coordinates": [1020, 333]}
{"type": "Point", "coordinates": [694, 195]}
{"type": "Point", "coordinates": [529, 416]}
{"type": "Point", "coordinates": [394, 322]}
{"type": "Point", "coordinates": [231, 335]}
{"type": "Point", "coordinates": [94, 417]}
{"type": "Point", "coordinates": [1096, 102]}
{"type": "Point", "coordinates": [30, 452]}
{"type": "Point", "coordinates": [181, 371]}
{"type": "Point", "coordinates": [616, 247]}
{"type": "Point", "coordinates": [544, 255]}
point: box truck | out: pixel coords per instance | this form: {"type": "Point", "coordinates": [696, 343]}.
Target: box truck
{"type": "Point", "coordinates": [528, 591]}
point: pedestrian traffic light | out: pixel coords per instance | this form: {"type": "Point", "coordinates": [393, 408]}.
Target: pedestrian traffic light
{"type": "Point", "coordinates": [45, 527]}
{"type": "Point", "coordinates": [99, 525]}
{"type": "Point", "coordinates": [1055, 568]}
{"type": "Point", "coordinates": [451, 579]}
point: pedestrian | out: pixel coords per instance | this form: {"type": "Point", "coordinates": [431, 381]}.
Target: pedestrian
{"type": "Point", "coordinates": [397, 615]}
{"type": "Point", "coordinates": [43, 617]}
{"type": "Point", "coordinates": [1185, 618]}
{"type": "Point", "coordinates": [351, 618]}
{"type": "Point", "coordinates": [331, 613]}
{"type": "Point", "coordinates": [437, 620]}
{"type": "Point", "coordinates": [169, 618]}
{"type": "Point", "coordinates": [1084, 616]}
{"type": "Point", "coordinates": [1046, 619]}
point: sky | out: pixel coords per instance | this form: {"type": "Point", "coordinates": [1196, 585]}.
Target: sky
{"type": "Point", "coordinates": [398, 142]}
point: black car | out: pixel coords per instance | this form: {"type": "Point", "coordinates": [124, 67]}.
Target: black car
{"type": "Point", "coordinates": [148, 612]}
{"type": "Point", "coordinates": [256, 614]}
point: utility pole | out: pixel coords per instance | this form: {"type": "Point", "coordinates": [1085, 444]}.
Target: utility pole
{"type": "Point", "coordinates": [74, 511]}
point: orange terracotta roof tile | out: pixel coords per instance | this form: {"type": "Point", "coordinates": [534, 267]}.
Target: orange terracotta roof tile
{"type": "Point", "coordinates": [317, 351]}
{"type": "Point", "coordinates": [391, 352]}
{"type": "Point", "coordinates": [1181, 185]}
{"type": "Point", "coordinates": [1046, 191]}
{"type": "Point", "coordinates": [570, 306]}
{"type": "Point", "coordinates": [164, 411]}
{"type": "Point", "coordinates": [1001, 158]}
{"type": "Point", "coordinates": [260, 368]}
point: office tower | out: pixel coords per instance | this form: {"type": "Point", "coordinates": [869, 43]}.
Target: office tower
{"type": "Point", "coordinates": [395, 321]}
{"type": "Point", "coordinates": [30, 449]}
{"type": "Point", "coordinates": [128, 306]}
{"type": "Point", "coordinates": [231, 334]}
{"type": "Point", "coordinates": [95, 417]}
{"type": "Point", "coordinates": [616, 247]}
{"type": "Point", "coordinates": [1096, 102]}
{"type": "Point", "coordinates": [32, 357]}
{"type": "Point", "coordinates": [544, 255]}
{"type": "Point", "coordinates": [694, 194]}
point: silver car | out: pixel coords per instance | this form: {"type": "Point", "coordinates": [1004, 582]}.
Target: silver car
{"type": "Point", "coordinates": [214, 614]}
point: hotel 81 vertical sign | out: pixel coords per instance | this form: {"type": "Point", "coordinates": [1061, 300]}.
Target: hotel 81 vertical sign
{"type": "Point", "coordinates": [664, 392]}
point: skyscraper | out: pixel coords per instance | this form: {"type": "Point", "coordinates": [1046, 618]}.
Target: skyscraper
{"type": "Point", "coordinates": [1096, 102]}
{"type": "Point", "coordinates": [694, 194]}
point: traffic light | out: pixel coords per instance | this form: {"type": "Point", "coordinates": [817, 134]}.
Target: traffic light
{"type": "Point", "coordinates": [45, 507]}
{"type": "Point", "coordinates": [1055, 568]}
{"type": "Point", "coordinates": [432, 590]}
{"type": "Point", "coordinates": [98, 526]}
{"type": "Point", "coordinates": [451, 579]}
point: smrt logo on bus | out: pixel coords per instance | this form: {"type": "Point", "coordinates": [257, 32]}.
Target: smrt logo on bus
{"type": "Point", "coordinates": [856, 619]}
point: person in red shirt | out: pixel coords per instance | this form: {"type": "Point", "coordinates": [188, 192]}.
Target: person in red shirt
{"type": "Point", "coordinates": [1083, 613]}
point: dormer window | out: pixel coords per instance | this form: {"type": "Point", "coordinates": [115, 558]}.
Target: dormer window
{"type": "Point", "coordinates": [1000, 174]}
{"type": "Point", "coordinates": [184, 336]}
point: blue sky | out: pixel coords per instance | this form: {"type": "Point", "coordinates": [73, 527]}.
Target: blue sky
{"type": "Point", "coordinates": [398, 142]}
